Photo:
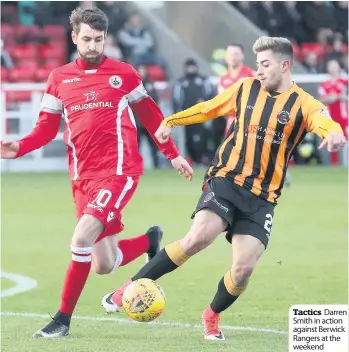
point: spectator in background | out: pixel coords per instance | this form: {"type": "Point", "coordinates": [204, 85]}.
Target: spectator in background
{"type": "Point", "coordinates": [218, 64]}
{"type": "Point", "coordinates": [111, 49]}
{"type": "Point", "coordinates": [236, 70]}
{"type": "Point", "coordinates": [137, 41]}
{"type": "Point", "coordinates": [149, 85]}
{"type": "Point", "coordinates": [9, 12]}
{"type": "Point", "coordinates": [334, 93]}
{"type": "Point", "coordinates": [6, 60]}
{"type": "Point", "coordinates": [341, 15]}
{"type": "Point", "coordinates": [311, 62]}
{"type": "Point", "coordinates": [291, 21]}
{"type": "Point", "coordinates": [57, 13]}
{"type": "Point", "coordinates": [268, 18]}
{"type": "Point", "coordinates": [248, 9]}
{"type": "Point", "coordinates": [337, 51]}
{"type": "Point", "coordinates": [115, 11]}
{"type": "Point", "coordinates": [319, 20]}
{"type": "Point", "coordinates": [189, 90]}
{"type": "Point", "coordinates": [25, 12]}
{"type": "Point", "coordinates": [344, 63]}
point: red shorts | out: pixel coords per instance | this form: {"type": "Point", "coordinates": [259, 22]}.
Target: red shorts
{"type": "Point", "coordinates": [104, 198]}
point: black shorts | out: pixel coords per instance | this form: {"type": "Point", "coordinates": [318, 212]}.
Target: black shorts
{"type": "Point", "coordinates": [246, 213]}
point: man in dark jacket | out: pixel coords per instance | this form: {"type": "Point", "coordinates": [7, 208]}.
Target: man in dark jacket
{"type": "Point", "coordinates": [188, 91]}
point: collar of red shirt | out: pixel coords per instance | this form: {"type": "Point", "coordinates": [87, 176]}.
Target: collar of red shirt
{"type": "Point", "coordinates": [86, 66]}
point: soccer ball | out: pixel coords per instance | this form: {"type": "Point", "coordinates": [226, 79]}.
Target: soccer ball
{"type": "Point", "coordinates": [143, 300]}
{"type": "Point", "coordinates": [306, 150]}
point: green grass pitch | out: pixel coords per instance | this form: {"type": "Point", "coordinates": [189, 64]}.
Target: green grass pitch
{"type": "Point", "coordinates": [309, 237]}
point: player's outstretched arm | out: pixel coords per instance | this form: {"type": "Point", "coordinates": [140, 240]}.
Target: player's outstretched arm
{"type": "Point", "coordinates": [318, 120]}
{"type": "Point", "coordinates": [46, 127]}
{"type": "Point", "coordinates": [45, 130]}
{"type": "Point", "coordinates": [151, 116]}
{"type": "Point", "coordinates": [221, 105]}
{"type": "Point", "coordinates": [9, 149]}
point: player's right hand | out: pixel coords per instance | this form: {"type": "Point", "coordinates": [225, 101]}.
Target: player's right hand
{"type": "Point", "coordinates": [9, 149]}
{"type": "Point", "coordinates": [163, 134]}
{"type": "Point", "coordinates": [183, 167]}
{"type": "Point", "coordinates": [334, 141]}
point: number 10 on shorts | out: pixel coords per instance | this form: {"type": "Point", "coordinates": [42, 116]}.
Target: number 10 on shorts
{"type": "Point", "coordinates": [103, 198]}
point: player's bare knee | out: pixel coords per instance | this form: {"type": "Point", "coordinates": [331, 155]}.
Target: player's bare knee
{"type": "Point", "coordinates": [87, 230]}
{"type": "Point", "coordinates": [102, 268]}
{"type": "Point", "coordinates": [207, 225]}
{"type": "Point", "coordinates": [192, 245]}
{"type": "Point", "coordinates": [241, 273]}
{"type": "Point", "coordinates": [80, 242]}
{"type": "Point", "coordinates": [197, 239]}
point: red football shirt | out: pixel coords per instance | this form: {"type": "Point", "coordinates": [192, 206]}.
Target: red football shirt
{"type": "Point", "coordinates": [339, 109]}
{"type": "Point", "coordinates": [226, 81]}
{"type": "Point", "coordinates": [99, 127]}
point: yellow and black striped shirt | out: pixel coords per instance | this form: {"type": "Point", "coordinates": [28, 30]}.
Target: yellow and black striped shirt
{"type": "Point", "coordinates": [259, 144]}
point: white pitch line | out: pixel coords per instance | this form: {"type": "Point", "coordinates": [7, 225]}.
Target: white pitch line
{"type": "Point", "coordinates": [157, 323]}
{"type": "Point", "coordinates": [23, 284]}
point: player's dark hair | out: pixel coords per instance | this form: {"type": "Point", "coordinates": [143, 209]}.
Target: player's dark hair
{"type": "Point", "coordinates": [94, 17]}
{"type": "Point", "coordinates": [237, 45]}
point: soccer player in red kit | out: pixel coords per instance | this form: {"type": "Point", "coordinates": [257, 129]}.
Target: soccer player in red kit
{"type": "Point", "coordinates": [236, 71]}
{"type": "Point", "coordinates": [334, 93]}
{"type": "Point", "coordinates": [95, 93]}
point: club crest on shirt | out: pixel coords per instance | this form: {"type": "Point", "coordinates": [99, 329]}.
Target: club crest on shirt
{"type": "Point", "coordinates": [115, 81]}
{"type": "Point", "coordinates": [284, 117]}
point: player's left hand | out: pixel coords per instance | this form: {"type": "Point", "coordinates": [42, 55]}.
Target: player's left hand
{"type": "Point", "coordinates": [183, 167]}
{"type": "Point", "coordinates": [334, 141]}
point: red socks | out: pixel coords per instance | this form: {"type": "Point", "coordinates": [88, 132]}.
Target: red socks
{"type": "Point", "coordinates": [133, 248]}
{"type": "Point", "coordinates": [75, 278]}
{"type": "Point", "coordinates": [80, 266]}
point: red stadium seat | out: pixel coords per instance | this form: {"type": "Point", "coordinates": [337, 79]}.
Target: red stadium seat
{"type": "Point", "coordinates": [51, 52]}
{"type": "Point", "coordinates": [14, 97]}
{"type": "Point", "coordinates": [156, 73]}
{"type": "Point", "coordinates": [21, 52]}
{"type": "Point", "coordinates": [297, 52]}
{"type": "Point", "coordinates": [9, 49]}
{"type": "Point", "coordinates": [53, 63]}
{"type": "Point", "coordinates": [24, 33]}
{"type": "Point", "coordinates": [317, 48]}
{"type": "Point", "coordinates": [7, 32]}
{"type": "Point", "coordinates": [60, 46]}
{"type": "Point", "coordinates": [344, 48]}
{"type": "Point", "coordinates": [42, 73]}
{"type": "Point", "coordinates": [4, 74]}
{"type": "Point", "coordinates": [28, 63]}
{"type": "Point", "coordinates": [8, 13]}
{"type": "Point", "coordinates": [22, 74]}
{"type": "Point", "coordinates": [54, 31]}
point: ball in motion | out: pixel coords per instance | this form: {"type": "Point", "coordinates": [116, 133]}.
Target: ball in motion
{"type": "Point", "coordinates": [143, 300]}
{"type": "Point", "coordinates": [306, 150]}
